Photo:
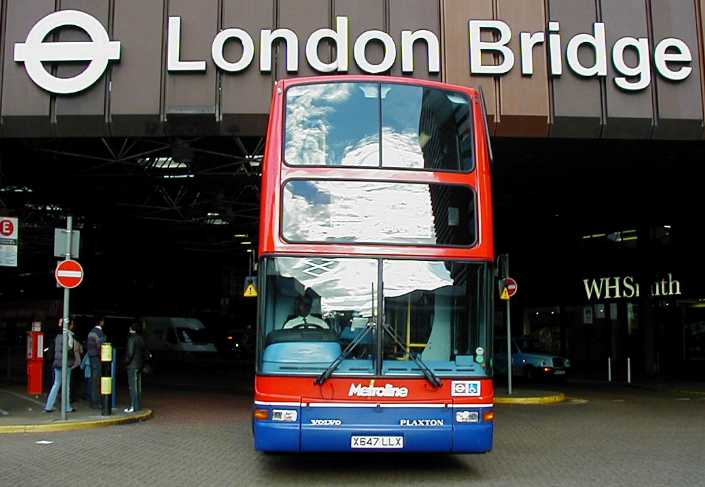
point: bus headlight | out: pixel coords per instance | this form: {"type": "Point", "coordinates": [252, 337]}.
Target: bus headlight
{"type": "Point", "coordinates": [467, 417]}
{"type": "Point", "coordinates": [286, 415]}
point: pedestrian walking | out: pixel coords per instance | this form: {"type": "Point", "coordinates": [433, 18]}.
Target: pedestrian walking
{"type": "Point", "coordinates": [73, 360]}
{"type": "Point", "coordinates": [86, 368]}
{"type": "Point", "coordinates": [135, 360]}
{"type": "Point", "coordinates": [96, 337]}
{"type": "Point", "coordinates": [75, 370]}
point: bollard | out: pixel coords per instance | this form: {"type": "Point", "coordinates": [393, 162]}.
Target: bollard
{"type": "Point", "coordinates": [629, 370]}
{"type": "Point", "coordinates": [609, 369]}
{"type": "Point", "coordinates": [106, 381]}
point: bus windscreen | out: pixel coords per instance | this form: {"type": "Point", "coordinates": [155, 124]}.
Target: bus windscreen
{"type": "Point", "coordinates": [317, 306]}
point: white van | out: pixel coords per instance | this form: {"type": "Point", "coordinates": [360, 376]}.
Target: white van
{"type": "Point", "coordinates": [171, 338]}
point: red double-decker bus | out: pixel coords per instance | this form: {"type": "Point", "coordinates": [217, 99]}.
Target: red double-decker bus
{"type": "Point", "coordinates": [375, 272]}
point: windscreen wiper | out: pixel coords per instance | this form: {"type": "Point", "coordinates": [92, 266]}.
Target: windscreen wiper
{"type": "Point", "coordinates": [427, 372]}
{"type": "Point", "coordinates": [344, 354]}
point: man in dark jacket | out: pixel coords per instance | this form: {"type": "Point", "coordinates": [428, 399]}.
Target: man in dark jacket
{"type": "Point", "coordinates": [73, 358]}
{"type": "Point", "coordinates": [135, 360]}
{"type": "Point", "coordinates": [95, 340]}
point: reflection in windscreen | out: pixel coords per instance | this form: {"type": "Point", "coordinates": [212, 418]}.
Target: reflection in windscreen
{"type": "Point", "coordinates": [378, 212]}
{"type": "Point", "coordinates": [338, 284]}
{"type": "Point", "coordinates": [338, 124]}
{"type": "Point", "coordinates": [434, 308]}
{"type": "Point", "coordinates": [335, 124]}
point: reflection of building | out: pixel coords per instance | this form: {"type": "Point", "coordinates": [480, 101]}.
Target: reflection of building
{"type": "Point", "coordinates": [445, 138]}
{"type": "Point", "coordinates": [444, 131]}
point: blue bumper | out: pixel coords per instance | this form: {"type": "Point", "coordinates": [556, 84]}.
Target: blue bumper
{"type": "Point", "coordinates": [307, 434]}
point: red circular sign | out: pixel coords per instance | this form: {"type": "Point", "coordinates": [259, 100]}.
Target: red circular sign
{"type": "Point", "coordinates": [7, 228]}
{"type": "Point", "coordinates": [69, 274]}
{"type": "Point", "coordinates": [511, 286]}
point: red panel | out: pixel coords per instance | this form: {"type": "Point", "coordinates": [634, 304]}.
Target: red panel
{"type": "Point", "coordinates": [297, 389]}
{"type": "Point", "coordinates": [274, 172]}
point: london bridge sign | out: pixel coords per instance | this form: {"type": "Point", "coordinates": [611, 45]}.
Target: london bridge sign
{"type": "Point", "coordinates": [672, 57]}
{"type": "Point", "coordinates": [548, 68]}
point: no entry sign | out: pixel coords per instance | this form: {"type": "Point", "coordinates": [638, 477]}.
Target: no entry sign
{"type": "Point", "coordinates": [69, 274]}
{"type": "Point", "coordinates": [507, 288]}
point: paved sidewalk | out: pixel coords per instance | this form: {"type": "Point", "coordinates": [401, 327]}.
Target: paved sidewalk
{"type": "Point", "coordinates": [618, 437]}
{"type": "Point", "coordinates": [22, 413]}
{"type": "Point", "coordinates": [521, 395]}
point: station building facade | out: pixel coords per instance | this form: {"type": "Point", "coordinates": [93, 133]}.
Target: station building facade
{"type": "Point", "coordinates": [573, 88]}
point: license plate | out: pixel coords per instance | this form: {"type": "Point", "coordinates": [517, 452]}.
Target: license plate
{"type": "Point", "coordinates": [559, 372]}
{"type": "Point", "coordinates": [377, 442]}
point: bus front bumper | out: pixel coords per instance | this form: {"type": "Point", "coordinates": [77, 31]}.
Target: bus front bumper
{"type": "Point", "coordinates": [457, 438]}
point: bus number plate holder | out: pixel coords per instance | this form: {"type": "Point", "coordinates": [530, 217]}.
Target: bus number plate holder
{"type": "Point", "coordinates": [377, 442]}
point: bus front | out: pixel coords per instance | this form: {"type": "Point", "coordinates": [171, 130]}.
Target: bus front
{"type": "Point", "coordinates": [375, 271]}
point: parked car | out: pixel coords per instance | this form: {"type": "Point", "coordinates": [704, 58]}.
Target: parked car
{"type": "Point", "coordinates": [529, 359]}
{"type": "Point", "coordinates": [178, 339]}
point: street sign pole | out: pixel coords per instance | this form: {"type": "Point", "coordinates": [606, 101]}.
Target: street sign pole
{"type": "Point", "coordinates": [65, 329]}
{"type": "Point", "coordinates": [509, 331]}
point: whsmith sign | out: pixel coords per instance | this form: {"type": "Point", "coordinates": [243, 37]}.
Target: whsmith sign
{"type": "Point", "coordinates": [626, 287]}
{"type": "Point", "coordinates": [672, 57]}
{"type": "Point", "coordinates": [586, 68]}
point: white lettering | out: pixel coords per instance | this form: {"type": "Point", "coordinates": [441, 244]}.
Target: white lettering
{"type": "Point", "coordinates": [672, 58]}
{"type": "Point", "coordinates": [628, 283]}
{"type": "Point", "coordinates": [408, 38]}
{"type": "Point", "coordinates": [655, 289]}
{"type": "Point", "coordinates": [387, 390]}
{"type": "Point", "coordinates": [528, 41]}
{"type": "Point", "coordinates": [671, 282]}
{"type": "Point", "coordinates": [267, 38]}
{"type": "Point", "coordinates": [627, 287]}
{"type": "Point", "coordinates": [360, 51]}
{"type": "Point", "coordinates": [662, 57]}
{"type": "Point", "coordinates": [326, 422]}
{"type": "Point", "coordinates": [614, 286]}
{"type": "Point", "coordinates": [554, 47]}
{"type": "Point", "coordinates": [641, 71]}
{"type": "Point", "coordinates": [593, 289]}
{"type": "Point", "coordinates": [174, 62]}
{"type": "Point", "coordinates": [597, 41]}
{"type": "Point", "coordinates": [340, 39]}
{"type": "Point", "coordinates": [478, 46]}
{"type": "Point", "coordinates": [248, 50]}
{"type": "Point", "coordinates": [421, 422]}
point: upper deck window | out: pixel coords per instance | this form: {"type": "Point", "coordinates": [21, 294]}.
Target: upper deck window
{"type": "Point", "coordinates": [378, 125]}
{"type": "Point", "coordinates": [374, 212]}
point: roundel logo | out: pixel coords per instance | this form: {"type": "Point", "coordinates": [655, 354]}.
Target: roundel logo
{"type": "Point", "coordinates": [98, 52]}
{"type": "Point", "coordinates": [466, 388]}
